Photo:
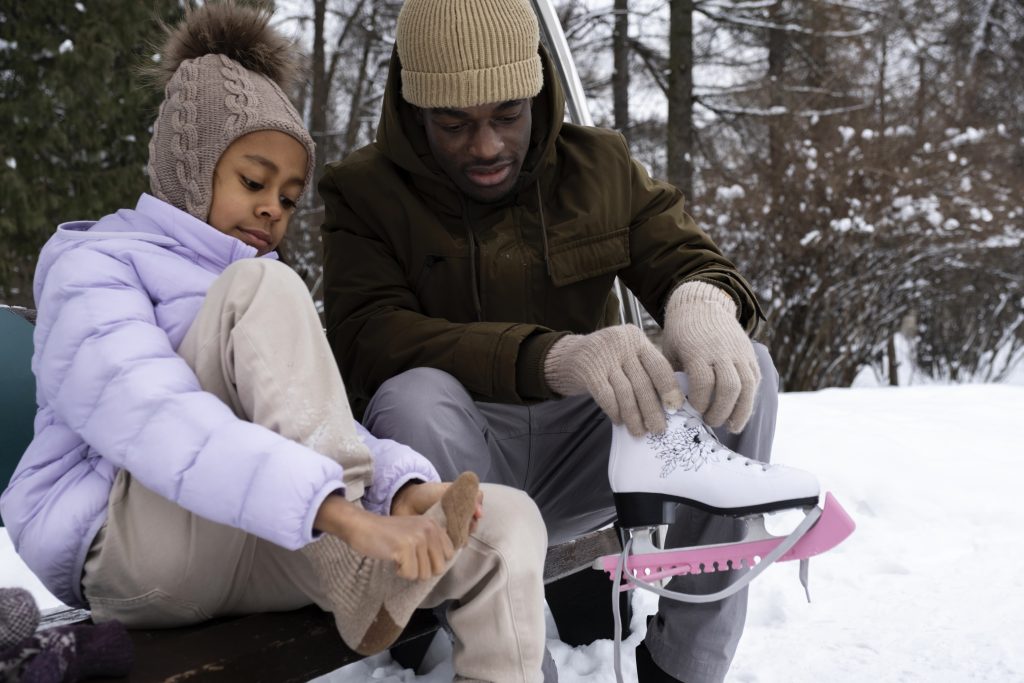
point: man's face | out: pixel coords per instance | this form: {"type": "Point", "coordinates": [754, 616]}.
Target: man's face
{"type": "Point", "coordinates": [480, 148]}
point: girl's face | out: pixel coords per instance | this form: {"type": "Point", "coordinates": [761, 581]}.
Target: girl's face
{"type": "Point", "coordinates": [256, 185]}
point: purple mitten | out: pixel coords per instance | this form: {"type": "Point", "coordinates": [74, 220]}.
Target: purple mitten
{"type": "Point", "coordinates": [103, 650]}
{"type": "Point", "coordinates": [48, 657]}
{"type": "Point", "coordinates": [19, 616]}
{"type": "Point", "coordinates": [67, 654]}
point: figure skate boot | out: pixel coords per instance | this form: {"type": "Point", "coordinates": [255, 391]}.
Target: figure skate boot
{"type": "Point", "coordinates": [687, 464]}
{"type": "Point", "coordinates": [651, 475]}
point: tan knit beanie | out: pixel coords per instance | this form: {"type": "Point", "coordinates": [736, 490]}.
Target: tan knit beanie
{"type": "Point", "coordinates": [223, 66]}
{"type": "Point", "coordinates": [462, 53]}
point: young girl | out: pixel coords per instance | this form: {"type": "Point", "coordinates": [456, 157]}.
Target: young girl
{"type": "Point", "coordinates": [194, 453]}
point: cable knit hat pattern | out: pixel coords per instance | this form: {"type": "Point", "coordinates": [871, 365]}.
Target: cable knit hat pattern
{"type": "Point", "coordinates": [224, 69]}
{"type": "Point", "coordinates": [463, 53]}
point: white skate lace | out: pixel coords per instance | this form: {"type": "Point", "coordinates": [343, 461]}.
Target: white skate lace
{"type": "Point", "coordinates": [744, 581]}
{"type": "Point", "coordinates": [694, 421]}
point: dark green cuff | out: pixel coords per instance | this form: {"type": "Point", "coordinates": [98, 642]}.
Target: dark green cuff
{"type": "Point", "coordinates": [530, 383]}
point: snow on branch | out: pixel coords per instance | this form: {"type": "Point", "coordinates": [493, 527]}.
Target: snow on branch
{"type": "Point", "coordinates": [756, 87]}
{"type": "Point", "coordinates": [779, 110]}
{"type": "Point", "coordinates": [765, 4]}
{"type": "Point", "coordinates": [863, 9]}
{"type": "Point", "coordinates": [737, 6]}
{"type": "Point", "coordinates": [789, 28]}
{"type": "Point", "coordinates": [740, 89]}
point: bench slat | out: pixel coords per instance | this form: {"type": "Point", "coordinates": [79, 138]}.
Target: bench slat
{"type": "Point", "coordinates": [283, 646]}
{"type": "Point", "coordinates": [578, 554]}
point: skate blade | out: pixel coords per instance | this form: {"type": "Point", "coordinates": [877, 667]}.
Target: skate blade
{"type": "Point", "coordinates": [831, 529]}
{"type": "Point", "coordinates": [651, 509]}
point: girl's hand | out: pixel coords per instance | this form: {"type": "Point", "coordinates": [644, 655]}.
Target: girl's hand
{"type": "Point", "coordinates": [418, 545]}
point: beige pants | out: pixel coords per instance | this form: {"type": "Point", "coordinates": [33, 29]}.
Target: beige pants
{"type": "Point", "coordinates": [257, 344]}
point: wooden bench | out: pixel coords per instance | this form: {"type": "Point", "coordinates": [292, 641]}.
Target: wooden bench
{"type": "Point", "coordinates": [282, 646]}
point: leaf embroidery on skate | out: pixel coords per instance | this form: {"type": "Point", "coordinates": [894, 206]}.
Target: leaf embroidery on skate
{"type": "Point", "coordinates": [680, 447]}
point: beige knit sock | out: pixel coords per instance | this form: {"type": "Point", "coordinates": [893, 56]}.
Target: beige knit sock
{"type": "Point", "coordinates": [371, 603]}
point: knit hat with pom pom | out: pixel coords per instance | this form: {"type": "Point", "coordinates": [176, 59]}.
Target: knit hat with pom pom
{"type": "Point", "coordinates": [224, 69]}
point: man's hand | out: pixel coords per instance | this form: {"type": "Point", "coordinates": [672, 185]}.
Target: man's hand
{"type": "Point", "coordinates": [624, 372]}
{"type": "Point", "coordinates": [704, 339]}
{"type": "Point", "coordinates": [418, 545]}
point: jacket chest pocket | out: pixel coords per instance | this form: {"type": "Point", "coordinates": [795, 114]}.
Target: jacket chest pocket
{"type": "Point", "coordinates": [588, 257]}
{"type": "Point", "coordinates": [442, 287]}
{"type": "Point", "coordinates": [426, 269]}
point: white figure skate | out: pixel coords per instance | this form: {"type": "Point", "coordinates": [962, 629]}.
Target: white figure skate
{"type": "Point", "coordinates": [651, 475]}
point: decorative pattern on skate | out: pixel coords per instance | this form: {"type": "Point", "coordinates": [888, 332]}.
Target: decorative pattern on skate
{"type": "Point", "coordinates": [680, 447]}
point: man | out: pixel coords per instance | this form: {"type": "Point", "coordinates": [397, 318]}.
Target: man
{"type": "Point", "coordinates": [470, 254]}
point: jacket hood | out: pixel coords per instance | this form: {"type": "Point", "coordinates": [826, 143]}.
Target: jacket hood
{"type": "Point", "coordinates": [155, 222]}
{"type": "Point", "coordinates": [402, 139]}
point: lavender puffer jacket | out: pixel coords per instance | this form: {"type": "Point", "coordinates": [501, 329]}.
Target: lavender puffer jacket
{"type": "Point", "coordinates": [115, 298]}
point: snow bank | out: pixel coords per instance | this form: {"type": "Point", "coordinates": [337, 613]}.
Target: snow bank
{"type": "Point", "coordinates": [928, 588]}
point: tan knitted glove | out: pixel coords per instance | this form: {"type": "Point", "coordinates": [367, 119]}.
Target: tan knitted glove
{"type": "Point", "coordinates": [704, 339]}
{"type": "Point", "coordinates": [624, 372]}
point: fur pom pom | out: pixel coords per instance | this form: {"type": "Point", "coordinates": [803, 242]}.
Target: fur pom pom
{"type": "Point", "coordinates": [240, 32]}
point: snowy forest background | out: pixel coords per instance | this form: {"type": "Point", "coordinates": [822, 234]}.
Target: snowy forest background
{"type": "Point", "coordinates": [861, 160]}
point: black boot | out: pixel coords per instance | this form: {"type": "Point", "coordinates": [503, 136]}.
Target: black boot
{"type": "Point", "coordinates": [581, 606]}
{"type": "Point", "coordinates": [646, 670]}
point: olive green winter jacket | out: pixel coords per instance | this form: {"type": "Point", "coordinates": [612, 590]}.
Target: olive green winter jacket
{"type": "Point", "coordinates": [417, 275]}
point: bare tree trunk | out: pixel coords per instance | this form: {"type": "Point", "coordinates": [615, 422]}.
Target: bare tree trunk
{"type": "Point", "coordinates": [350, 23]}
{"type": "Point", "coordinates": [680, 96]}
{"type": "Point", "coordinates": [964, 8]}
{"type": "Point", "coordinates": [301, 241]}
{"type": "Point", "coordinates": [776, 76]}
{"type": "Point", "coordinates": [968, 113]}
{"type": "Point", "coordinates": [880, 93]}
{"type": "Point", "coordinates": [921, 97]}
{"type": "Point", "coordinates": [894, 375]}
{"type": "Point", "coordinates": [620, 75]}
{"type": "Point", "coordinates": [818, 68]}
{"type": "Point", "coordinates": [318, 113]}
{"type": "Point", "coordinates": [356, 104]}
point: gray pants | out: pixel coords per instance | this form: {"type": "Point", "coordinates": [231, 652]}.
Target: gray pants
{"type": "Point", "coordinates": [557, 451]}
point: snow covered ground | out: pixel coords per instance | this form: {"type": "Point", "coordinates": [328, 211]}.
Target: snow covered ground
{"type": "Point", "coordinates": [929, 587]}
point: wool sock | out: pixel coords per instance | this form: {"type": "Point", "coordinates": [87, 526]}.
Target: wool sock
{"type": "Point", "coordinates": [370, 601]}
